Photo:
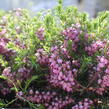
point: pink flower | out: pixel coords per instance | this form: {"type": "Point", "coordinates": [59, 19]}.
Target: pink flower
{"type": "Point", "coordinates": [3, 32]}
{"type": "Point", "coordinates": [59, 61]}
{"type": "Point", "coordinates": [40, 33]}
{"type": "Point", "coordinates": [101, 65]}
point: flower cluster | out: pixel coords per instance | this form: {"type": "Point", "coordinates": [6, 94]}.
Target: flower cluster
{"type": "Point", "coordinates": [13, 77]}
{"type": "Point", "coordinates": [3, 49]}
{"type": "Point", "coordinates": [23, 74]}
{"type": "Point", "coordinates": [105, 81]}
{"type": "Point", "coordinates": [64, 50]}
{"type": "Point", "coordinates": [49, 99]}
{"type": "Point", "coordinates": [40, 33]}
{"type": "Point", "coordinates": [4, 90]}
{"type": "Point", "coordinates": [103, 75]}
{"type": "Point", "coordinates": [102, 62]}
{"type": "Point", "coordinates": [85, 104]}
{"type": "Point", "coordinates": [18, 43]}
{"type": "Point", "coordinates": [100, 75]}
{"type": "Point", "coordinates": [3, 42]}
{"type": "Point", "coordinates": [94, 47]}
{"type": "Point", "coordinates": [42, 57]}
{"type": "Point", "coordinates": [61, 74]}
{"type": "Point", "coordinates": [72, 33]}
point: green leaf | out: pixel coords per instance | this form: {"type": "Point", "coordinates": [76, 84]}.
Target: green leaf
{"type": "Point", "coordinates": [5, 78]}
{"type": "Point", "coordinates": [27, 83]}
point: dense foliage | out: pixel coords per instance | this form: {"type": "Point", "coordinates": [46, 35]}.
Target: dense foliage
{"type": "Point", "coordinates": [55, 59]}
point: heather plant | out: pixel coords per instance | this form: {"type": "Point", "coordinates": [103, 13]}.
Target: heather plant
{"type": "Point", "coordinates": [54, 59]}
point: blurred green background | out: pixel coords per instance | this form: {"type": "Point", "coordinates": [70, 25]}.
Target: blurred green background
{"type": "Point", "coordinates": [90, 6]}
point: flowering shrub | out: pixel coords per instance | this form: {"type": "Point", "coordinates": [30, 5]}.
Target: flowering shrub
{"type": "Point", "coordinates": [55, 59]}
